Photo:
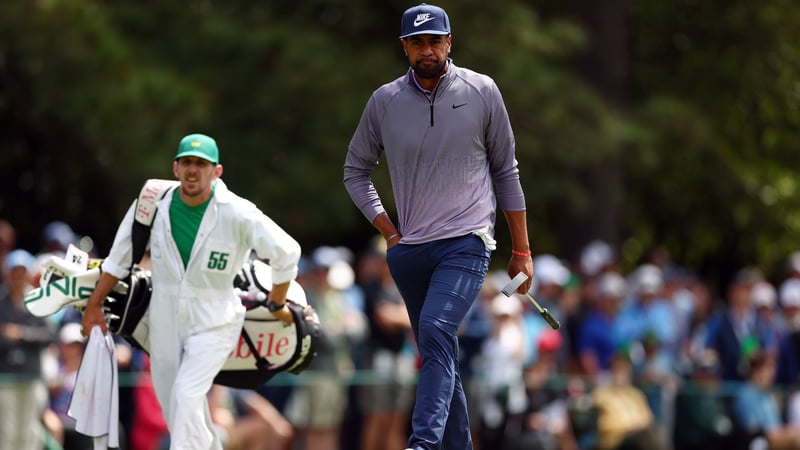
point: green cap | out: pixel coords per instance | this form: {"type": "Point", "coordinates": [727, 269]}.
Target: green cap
{"type": "Point", "coordinates": [199, 145]}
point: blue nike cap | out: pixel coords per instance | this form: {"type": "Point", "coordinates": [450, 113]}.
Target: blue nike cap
{"type": "Point", "coordinates": [424, 19]}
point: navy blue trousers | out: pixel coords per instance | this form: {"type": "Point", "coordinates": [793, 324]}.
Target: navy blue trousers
{"type": "Point", "coordinates": [439, 282]}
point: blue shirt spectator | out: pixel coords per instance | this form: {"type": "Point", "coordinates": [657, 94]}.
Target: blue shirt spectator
{"type": "Point", "coordinates": [596, 346]}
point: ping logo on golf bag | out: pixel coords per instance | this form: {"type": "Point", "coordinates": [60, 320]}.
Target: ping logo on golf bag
{"type": "Point", "coordinates": [67, 287]}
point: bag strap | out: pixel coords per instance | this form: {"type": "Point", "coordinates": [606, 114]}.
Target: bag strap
{"type": "Point", "coordinates": [153, 190]}
{"type": "Point", "coordinates": [261, 362]}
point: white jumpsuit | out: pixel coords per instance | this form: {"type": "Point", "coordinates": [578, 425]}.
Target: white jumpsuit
{"type": "Point", "coordinates": [195, 317]}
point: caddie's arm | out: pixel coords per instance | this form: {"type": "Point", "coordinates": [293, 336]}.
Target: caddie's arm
{"type": "Point", "coordinates": [93, 315]}
{"type": "Point", "coordinates": [277, 296]}
{"type": "Point", "coordinates": [520, 248]}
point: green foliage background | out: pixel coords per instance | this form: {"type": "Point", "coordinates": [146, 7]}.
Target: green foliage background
{"type": "Point", "coordinates": [95, 95]}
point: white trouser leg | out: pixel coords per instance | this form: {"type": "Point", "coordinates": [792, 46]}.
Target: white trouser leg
{"type": "Point", "coordinates": [203, 357]}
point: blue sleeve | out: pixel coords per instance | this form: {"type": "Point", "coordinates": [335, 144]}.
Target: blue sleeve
{"type": "Point", "coordinates": [772, 417]}
{"type": "Point", "coordinates": [786, 373]}
{"type": "Point", "coordinates": [744, 407]}
{"type": "Point", "coordinates": [712, 330]}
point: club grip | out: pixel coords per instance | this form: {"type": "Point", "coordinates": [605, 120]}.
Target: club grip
{"type": "Point", "coordinates": [550, 319]}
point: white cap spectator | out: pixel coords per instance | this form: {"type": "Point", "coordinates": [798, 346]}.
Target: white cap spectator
{"type": "Point", "coordinates": [611, 285]}
{"type": "Point", "coordinates": [325, 256]}
{"type": "Point", "coordinates": [341, 275]}
{"type": "Point", "coordinates": [506, 306]}
{"type": "Point", "coordinates": [57, 236]}
{"type": "Point", "coordinates": [789, 294]}
{"type": "Point", "coordinates": [794, 262]}
{"type": "Point", "coordinates": [763, 294]}
{"type": "Point", "coordinates": [20, 258]}
{"type": "Point", "coordinates": [595, 257]}
{"type": "Point", "coordinates": [647, 279]}
{"type": "Point", "coordinates": [70, 332]}
{"type": "Point", "coordinates": [337, 261]}
{"type": "Point", "coordinates": [547, 269]}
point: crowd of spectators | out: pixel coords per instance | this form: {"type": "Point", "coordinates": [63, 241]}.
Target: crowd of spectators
{"type": "Point", "coordinates": [648, 358]}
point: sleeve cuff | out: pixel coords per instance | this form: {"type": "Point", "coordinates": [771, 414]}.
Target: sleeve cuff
{"type": "Point", "coordinates": [114, 269]}
{"type": "Point", "coordinates": [284, 276]}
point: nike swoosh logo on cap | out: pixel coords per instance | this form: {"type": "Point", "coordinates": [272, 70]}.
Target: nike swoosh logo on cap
{"type": "Point", "coordinates": [418, 21]}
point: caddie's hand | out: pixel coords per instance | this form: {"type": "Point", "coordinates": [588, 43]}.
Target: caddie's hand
{"type": "Point", "coordinates": [522, 264]}
{"type": "Point", "coordinates": [284, 315]}
{"type": "Point", "coordinates": [93, 316]}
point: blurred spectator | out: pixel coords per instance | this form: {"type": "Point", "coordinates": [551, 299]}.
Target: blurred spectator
{"type": "Point", "coordinates": [474, 331]}
{"type": "Point", "coordinates": [70, 354]}
{"type": "Point", "coordinates": [625, 420]}
{"type": "Point", "coordinates": [390, 357]}
{"type": "Point", "coordinates": [757, 411]}
{"type": "Point", "coordinates": [793, 266]}
{"type": "Point", "coordinates": [317, 409]}
{"type": "Point", "coordinates": [660, 382]}
{"type": "Point", "coordinates": [149, 429]}
{"type": "Point", "coordinates": [660, 257]}
{"type": "Point", "coordinates": [668, 315]}
{"type": "Point", "coordinates": [678, 289]}
{"type": "Point", "coordinates": [701, 414]}
{"type": "Point", "coordinates": [696, 342]}
{"type": "Point", "coordinates": [550, 279]}
{"type": "Point", "coordinates": [223, 416]}
{"type": "Point", "coordinates": [792, 410]}
{"type": "Point", "coordinates": [8, 241]}
{"type": "Point", "coordinates": [545, 423]}
{"type": "Point", "coordinates": [502, 358]}
{"type": "Point", "coordinates": [769, 322]}
{"type": "Point", "coordinates": [596, 258]}
{"type": "Point", "coordinates": [596, 346]}
{"type": "Point", "coordinates": [733, 332]}
{"type": "Point", "coordinates": [647, 313]}
{"type": "Point", "coordinates": [23, 338]}
{"type": "Point", "coordinates": [257, 424]}
{"type": "Point", "coordinates": [56, 237]}
{"type": "Point", "coordinates": [789, 348]}
{"type": "Point", "coordinates": [550, 276]}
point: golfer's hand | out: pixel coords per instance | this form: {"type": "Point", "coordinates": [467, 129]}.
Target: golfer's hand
{"type": "Point", "coordinates": [522, 264]}
{"type": "Point", "coordinates": [93, 316]}
{"type": "Point", "coordinates": [395, 239]}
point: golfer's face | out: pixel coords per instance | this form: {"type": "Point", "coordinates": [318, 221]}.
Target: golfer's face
{"type": "Point", "coordinates": [195, 175]}
{"type": "Point", "coordinates": [427, 54]}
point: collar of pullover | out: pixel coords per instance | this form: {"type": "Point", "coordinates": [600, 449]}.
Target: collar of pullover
{"type": "Point", "coordinates": [444, 80]}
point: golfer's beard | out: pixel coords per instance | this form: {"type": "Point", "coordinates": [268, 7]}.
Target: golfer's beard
{"type": "Point", "coordinates": [428, 71]}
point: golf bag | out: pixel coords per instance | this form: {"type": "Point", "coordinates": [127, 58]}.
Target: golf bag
{"type": "Point", "coordinates": [266, 347]}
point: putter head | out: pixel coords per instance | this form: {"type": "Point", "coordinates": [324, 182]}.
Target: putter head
{"type": "Point", "coordinates": [511, 287]}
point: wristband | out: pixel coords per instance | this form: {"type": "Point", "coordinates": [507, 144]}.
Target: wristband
{"type": "Point", "coordinates": [516, 253]}
{"type": "Point", "coordinates": [392, 237]}
{"type": "Point", "coordinates": [274, 307]}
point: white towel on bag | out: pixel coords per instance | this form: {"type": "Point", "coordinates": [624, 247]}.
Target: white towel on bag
{"type": "Point", "coordinates": [95, 400]}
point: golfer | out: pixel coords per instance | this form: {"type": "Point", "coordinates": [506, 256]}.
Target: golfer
{"type": "Point", "coordinates": [450, 152]}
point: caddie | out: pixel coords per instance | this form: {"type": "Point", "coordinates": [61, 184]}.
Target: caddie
{"type": "Point", "coordinates": [201, 236]}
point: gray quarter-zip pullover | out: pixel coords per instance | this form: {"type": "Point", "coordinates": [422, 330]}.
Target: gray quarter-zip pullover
{"type": "Point", "coordinates": [449, 156]}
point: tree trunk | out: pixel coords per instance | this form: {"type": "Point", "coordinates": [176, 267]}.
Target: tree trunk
{"type": "Point", "coordinates": [606, 66]}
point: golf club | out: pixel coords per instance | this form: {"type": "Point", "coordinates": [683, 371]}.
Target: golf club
{"type": "Point", "coordinates": [516, 282]}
